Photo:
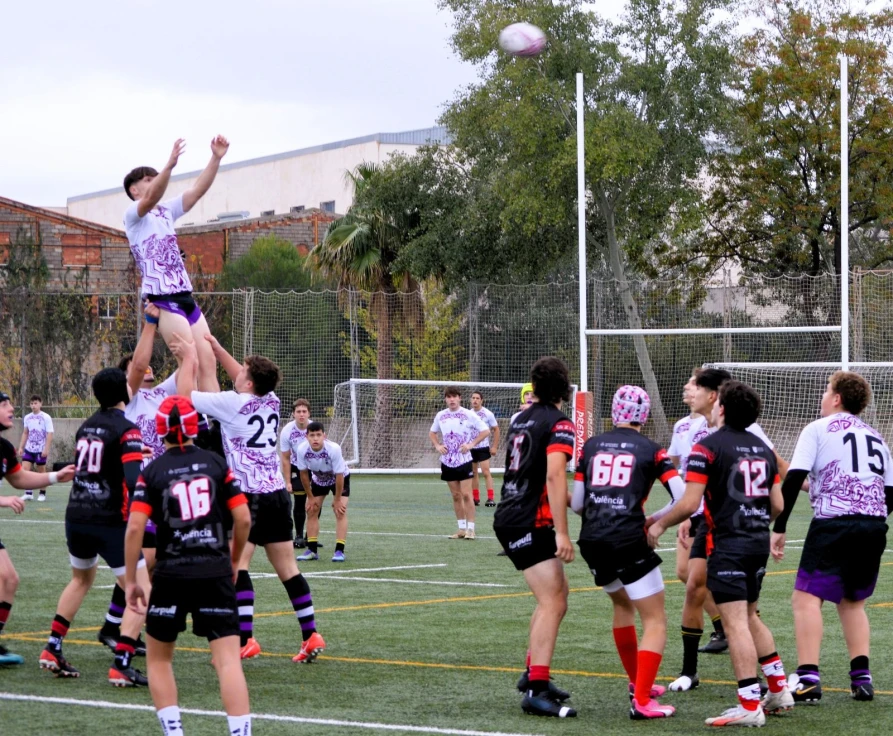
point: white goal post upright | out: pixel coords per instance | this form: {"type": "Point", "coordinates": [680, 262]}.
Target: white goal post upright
{"type": "Point", "coordinates": [394, 438]}
{"type": "Point", "coordinates": [844, 214]}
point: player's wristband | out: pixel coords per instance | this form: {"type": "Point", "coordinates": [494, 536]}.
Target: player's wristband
{"type": "Point", "coordinates": [53, 478]}
{"type": "Point", "coordinates": [151, 320]}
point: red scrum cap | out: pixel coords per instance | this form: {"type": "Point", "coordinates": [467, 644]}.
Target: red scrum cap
{"type": "Point", "coordinates": [177, 414]}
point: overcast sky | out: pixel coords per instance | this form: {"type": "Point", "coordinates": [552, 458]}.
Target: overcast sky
{"type": "Point", "coordinates": [90, 89]}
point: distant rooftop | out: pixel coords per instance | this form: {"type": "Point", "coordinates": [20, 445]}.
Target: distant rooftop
{"type": "Point", "coordinates": [438, 134]}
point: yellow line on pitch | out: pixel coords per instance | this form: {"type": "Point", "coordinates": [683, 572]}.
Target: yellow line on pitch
{"type": "Point", "coordinates": [434, 665]}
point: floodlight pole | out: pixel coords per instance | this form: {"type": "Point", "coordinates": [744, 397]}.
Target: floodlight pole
{"type": "Point", "coordinates": [844, 214]}
{"type": "Point", "coordinates": [581, 226]}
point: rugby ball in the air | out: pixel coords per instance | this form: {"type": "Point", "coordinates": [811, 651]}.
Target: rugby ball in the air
{"type": "Point", "coordinates": [522, 39]}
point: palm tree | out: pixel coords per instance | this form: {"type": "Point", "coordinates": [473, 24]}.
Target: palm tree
{"type": "Point", "coordinates": [359, 253]}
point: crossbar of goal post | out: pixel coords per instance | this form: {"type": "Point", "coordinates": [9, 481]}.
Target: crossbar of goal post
{"type": "Point", "coordinates": [713, 330]}
{"type": "Point", "coordinates": [353, 429]}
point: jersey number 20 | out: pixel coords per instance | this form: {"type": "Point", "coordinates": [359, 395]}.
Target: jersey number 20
{"type": "Point", "coordinates": [194, 498]}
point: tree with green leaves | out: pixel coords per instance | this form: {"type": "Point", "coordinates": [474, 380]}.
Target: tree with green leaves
{"type": "Point", "coordinates": [360, 253]}
{"type": "Point", "coordinates": [271, 264]}
{"type": "Point", "coordinates": [654, 94]}
{"type": "Point", "coordinates": [775, 207]}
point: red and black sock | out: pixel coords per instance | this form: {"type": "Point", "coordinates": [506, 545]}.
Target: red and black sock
{"type": "Point", "coordinates": [124, 652]}
{"type": "Point", "coordinates": [5, 608]}
{"type": "Point", "coordinates": [58, 630]}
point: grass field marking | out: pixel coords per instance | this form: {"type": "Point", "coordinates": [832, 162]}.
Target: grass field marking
{"type": "Point", "coordinates": [391, 727]}
{"type": "Point", "coordinates": [412, 582]}
{"type": "Point", "coordinates": [374, 569]}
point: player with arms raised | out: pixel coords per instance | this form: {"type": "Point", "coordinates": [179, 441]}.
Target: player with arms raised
{"type": "Point", "coordinates": [194, 499]}
{"type": "Point", "coordinates": [26, 480]}
{"type": "Point", "coordinates": [851, 490]}
{"type": "Point", "coordinates": [736, 474]}
{"type": "Point", "coordinates": [613, 480]}
{"type": "Point", "coordinates": [531, 524]}
{"type": "Point", "coordinates": [249, 421]}
{"type": "Point", "coordinates": [149, 224]}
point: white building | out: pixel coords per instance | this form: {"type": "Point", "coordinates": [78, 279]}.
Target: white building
{"type": "Point", "coordinates": [278, 184]}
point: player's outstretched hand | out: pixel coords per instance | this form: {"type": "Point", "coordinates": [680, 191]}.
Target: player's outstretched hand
{"type": "Point", "coordinates": [776, 546]}
{"type": "Point", "coordinates": [564, 548]}
{"type": "Point", "coordinates": [219, 146]}
{"type": "Point", "coordinates": [654, 532]}
{"type": "Point", "coordinates": [215, 345]}
{"type": "Point", "coordinates": [176, 152]}
{"type": "Point", "coordinates": [136, 598]}
{"type": "Point", "coordinates": [682, 533]}
{"type": "Point", "coordinates": [13, 502]}
{"type": "Point", "coordinates": [66, 474]}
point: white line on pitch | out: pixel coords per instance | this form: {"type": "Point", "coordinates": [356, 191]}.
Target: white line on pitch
{"type": "Point", "coordinates": [392, 727]}
{"type": "Point", "coordinates": [376, 569]}
{"type": "Point", "coordinates": [416, 582]}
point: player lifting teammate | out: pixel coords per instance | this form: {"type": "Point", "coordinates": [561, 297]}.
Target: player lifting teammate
{"type": "Point", "coordinates": [26, 480]}
{"type": "Point", "coordinates": [482, 452]}
{"type": "Point", "coordinates": [739, 475]}
{"type": "Point", "coordinates": [194, 499]}
{"type": "Point", "coordinates": [149, 224]}
{"type": "Point", "coordinates": [851, 490]}
{"type": "Point", "coordinates": [614, 477]}
{"type": "Point", "coordinates": [461, 429]}
{"type": "Point", "coordinates": [531, 524]}
{"type": "Point", "coordinates": [109, 452]}
{"type": "Point", "coordinates": [293, 434]}
{"type": "Point", "coordinates": [249, 420]}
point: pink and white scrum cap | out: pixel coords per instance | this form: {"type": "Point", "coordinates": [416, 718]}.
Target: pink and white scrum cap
{"type": "Point", "coordinates": [630, 405]}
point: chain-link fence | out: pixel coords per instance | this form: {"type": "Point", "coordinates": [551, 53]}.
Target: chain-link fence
{"type": "Point", "coordinates": [52, 343]}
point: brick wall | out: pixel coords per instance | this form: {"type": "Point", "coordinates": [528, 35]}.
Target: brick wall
{"type": "Point", "coordinates": [99, 258]}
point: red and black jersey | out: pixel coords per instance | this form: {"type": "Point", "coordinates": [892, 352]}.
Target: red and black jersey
{"type": "Point", "coordinates": [103, 445]}
{"type": "Point", "coordinates": [534, 434]}
{"type": "Point", "coordinates": [9, 463]}
{"type": "Point", "coordinates": [739, 471]}
{"type": "Point", "coordinates": [189, 493]}
{"type": "Point", "coordinates": [618, 469]}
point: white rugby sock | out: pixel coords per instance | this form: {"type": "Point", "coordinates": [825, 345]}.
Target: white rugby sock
{"type": "Point", "coordinates": [239, 725]}
{"type": "Point", "coordinates": [463, 524]}
{"type": "Point", "coordinates": [170, 721]}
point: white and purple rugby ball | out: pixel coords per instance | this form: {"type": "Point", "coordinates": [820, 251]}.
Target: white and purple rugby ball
{"type": "Point", "coordinates": [522, 39]}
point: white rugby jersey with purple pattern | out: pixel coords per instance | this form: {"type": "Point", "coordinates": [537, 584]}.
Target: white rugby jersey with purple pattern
{"type": "Point", "coordinates": [153, 242]}
{"type": "Point", "coordinates": [250, 428]}
{"type": "Point", "coordinates": [323, 465]}
{"type": "Point", "coordinates": [142, 409]}
{"type": "Point", "coordinates": [39, 426]}
{"type": "Point", "coordinates": [457, 428]}
{"type": "Point", "coordinates": [849, 465]}
{"type": "Point", "coordinates": [488, 418]}
{"type": "Point", "coordinates": [292, 436]}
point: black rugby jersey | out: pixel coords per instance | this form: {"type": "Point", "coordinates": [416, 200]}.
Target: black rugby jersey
{"type": "Point", "coordinates": [534, 434]}
{"type": "Point", "coordinates": [618, 469]}
{"type": "Point", "coordinates": [9, 463]}
{"type": "Point", "coordinates": [739, 471]}
{"type": "Point", "coordinates": [103, 445]}
{"type": "Point", "coordinates": [189, 494]}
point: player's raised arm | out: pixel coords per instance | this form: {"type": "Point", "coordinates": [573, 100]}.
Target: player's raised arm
{"type": "Point", "coordinates": [185, 353]}
{"type": "Point", "coordinates": [28, 480]}
{"type": "Point", "coordinates": [229, 363]}
{"type": "Point", "coordinates": [219, 147]}
{"type": "Point", "coordinates": [158, 187]}
{"type": "Point", "coordinates": [142, 355]}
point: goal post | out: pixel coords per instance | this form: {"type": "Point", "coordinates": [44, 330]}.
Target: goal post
{"type": "Point", "coordinates": [792, 392]}
{"type": "Point", "coordinates": [382, 425]}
